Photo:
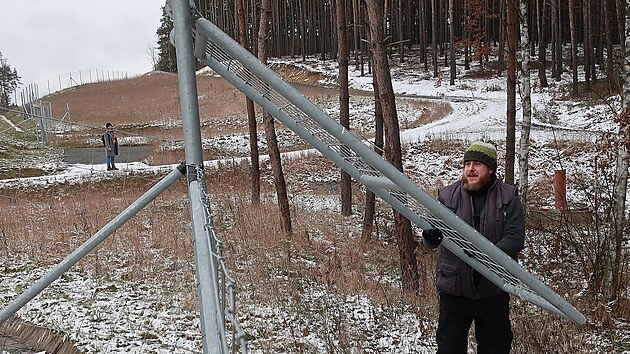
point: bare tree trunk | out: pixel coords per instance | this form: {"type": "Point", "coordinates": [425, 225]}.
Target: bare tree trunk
{"type": "Point", "coordinates": [556, 41]}
{"type": "Point", "coordinates": [401, 32]}
{"type": "Point", "coordinates": [434, 29]}
{"type": "Point", "coordinates": [330, 19]}
{"type": "Point", "coordinates": [466, 36]}
{"type": "Point", "coordinates": [573, 46]}
{"type": "Point", "coordinates": [254, 167]}
{"type": "Point", "coordinates": [542, 43]}
{"type": "Point", "coordinates": [344, 100]}
{"type": "Point", "coordinates": [270, 130]}
{"type": "Point", "coordinates": [406, 243]}
{"type": "Point", "coordinates": [510, 137]}
{"type": "Point", "coordinates": [370, 198]}
{"type": "Point", "coordinates": [451, 12]}
{"type": "Point", "coordinates": [324, 30]}
{"type": "Point", "coordinates": [594, 39]}
{"type": "Point", "coordinates": [527, 107]}
{"type": "Point", "coordinates": [587, 40]}
{"type": "Point", "coordinates": [274, 39]}
{"type": "Point", "coordinates": [355, 35]}
{"type": "Point", "coordinates": [292, 27]}
{"type": "Point", "coordinates": [442, 5]}
{"type": "Point", "coordinates": [312, 27]}
{"type": "Point", "coordinates": [610, 56]}
{"type": "Point", "coordinates": [364, 48]}
{"type": "Point", "coordinates": [410, 26]}
{"type": "Point", "coordinates": [614, 242]}
{"type": "Point", "coordinates": [302, 28]}
{"type": "Point", "coordinates": [609, 51]}
{"type": "Point", "coordinates": [620, 6]}
{"type": "Point", "coordinates": [600, 39]}
{"type": "Point", "coordinates": [253, 15]}
{"type": "Point", "coordinates": [425, 34]}
{"type": "Point", "coordinates": [502, 30]}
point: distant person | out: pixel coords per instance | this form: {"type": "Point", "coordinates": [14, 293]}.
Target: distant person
{"type": "Point", "coordinates": [111, 146]}
{"type": "Point", "coordinates": [494, 209]}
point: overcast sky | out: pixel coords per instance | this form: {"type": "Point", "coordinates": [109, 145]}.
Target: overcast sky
{"type": "Point", "coordinates": [46, 41]}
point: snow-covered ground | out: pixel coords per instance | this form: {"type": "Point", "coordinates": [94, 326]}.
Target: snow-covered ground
{"type": "Point", "coordinates": [107, 316]}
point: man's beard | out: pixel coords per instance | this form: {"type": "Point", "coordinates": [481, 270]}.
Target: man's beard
{"type": "Point", "coordinates": [473, 187]}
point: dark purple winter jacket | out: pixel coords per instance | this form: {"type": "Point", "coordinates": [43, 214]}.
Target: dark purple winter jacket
{"type": "Point", "coordinates": [501, 221]}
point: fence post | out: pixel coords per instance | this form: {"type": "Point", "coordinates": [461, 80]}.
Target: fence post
{"type": "Point", "coordinates": [560, 190]}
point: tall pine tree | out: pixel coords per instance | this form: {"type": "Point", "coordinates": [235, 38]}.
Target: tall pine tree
{"type": "Point", "coordinates": [9, 81]}
{"type": "Point", "coordinates": [167, 59]}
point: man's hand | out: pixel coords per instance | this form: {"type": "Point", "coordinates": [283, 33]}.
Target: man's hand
{"type": "Point", "coordinates": [432, 237]}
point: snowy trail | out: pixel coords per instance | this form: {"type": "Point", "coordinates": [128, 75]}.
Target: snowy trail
{"type": "Point", "coordinates": [470, 120]}
{"type": "Point", "coordinates": [477, 119]}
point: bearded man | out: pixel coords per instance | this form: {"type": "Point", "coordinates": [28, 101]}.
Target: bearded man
{"type": "Point", "coordinates": [494, 209]}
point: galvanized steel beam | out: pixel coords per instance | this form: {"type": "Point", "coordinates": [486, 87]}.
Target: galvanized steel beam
{"type": "Point", "coordinates": [211, 315]}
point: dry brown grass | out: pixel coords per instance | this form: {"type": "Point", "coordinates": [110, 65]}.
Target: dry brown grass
{"type": "Point", "coordinates": [135, 105]}
{"type": "Point", "coordinates": [143, 99]}
{"type": "Point", "coordinates": [267, 265]}
{"type": "Point", "coordinates": [431, 111]}
{"type": "Point", "coordinates": [146, 106]}
{"type": "Point", "coordinates": [53, 222]}
{"type": "Point", "coordinates": [325, 248]}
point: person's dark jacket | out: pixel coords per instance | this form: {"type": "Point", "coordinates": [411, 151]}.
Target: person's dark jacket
{"type": "Point", "coordinates": [111, 142]}
{"type": "Point", "coordinates": [501, 221]}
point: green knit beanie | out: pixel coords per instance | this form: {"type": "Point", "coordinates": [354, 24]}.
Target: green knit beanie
{"type": "Point", "coordinates": [483, 152]}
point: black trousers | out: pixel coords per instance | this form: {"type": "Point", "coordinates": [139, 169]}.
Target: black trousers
{"type": "Point", "coordinates": [491, 315]}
